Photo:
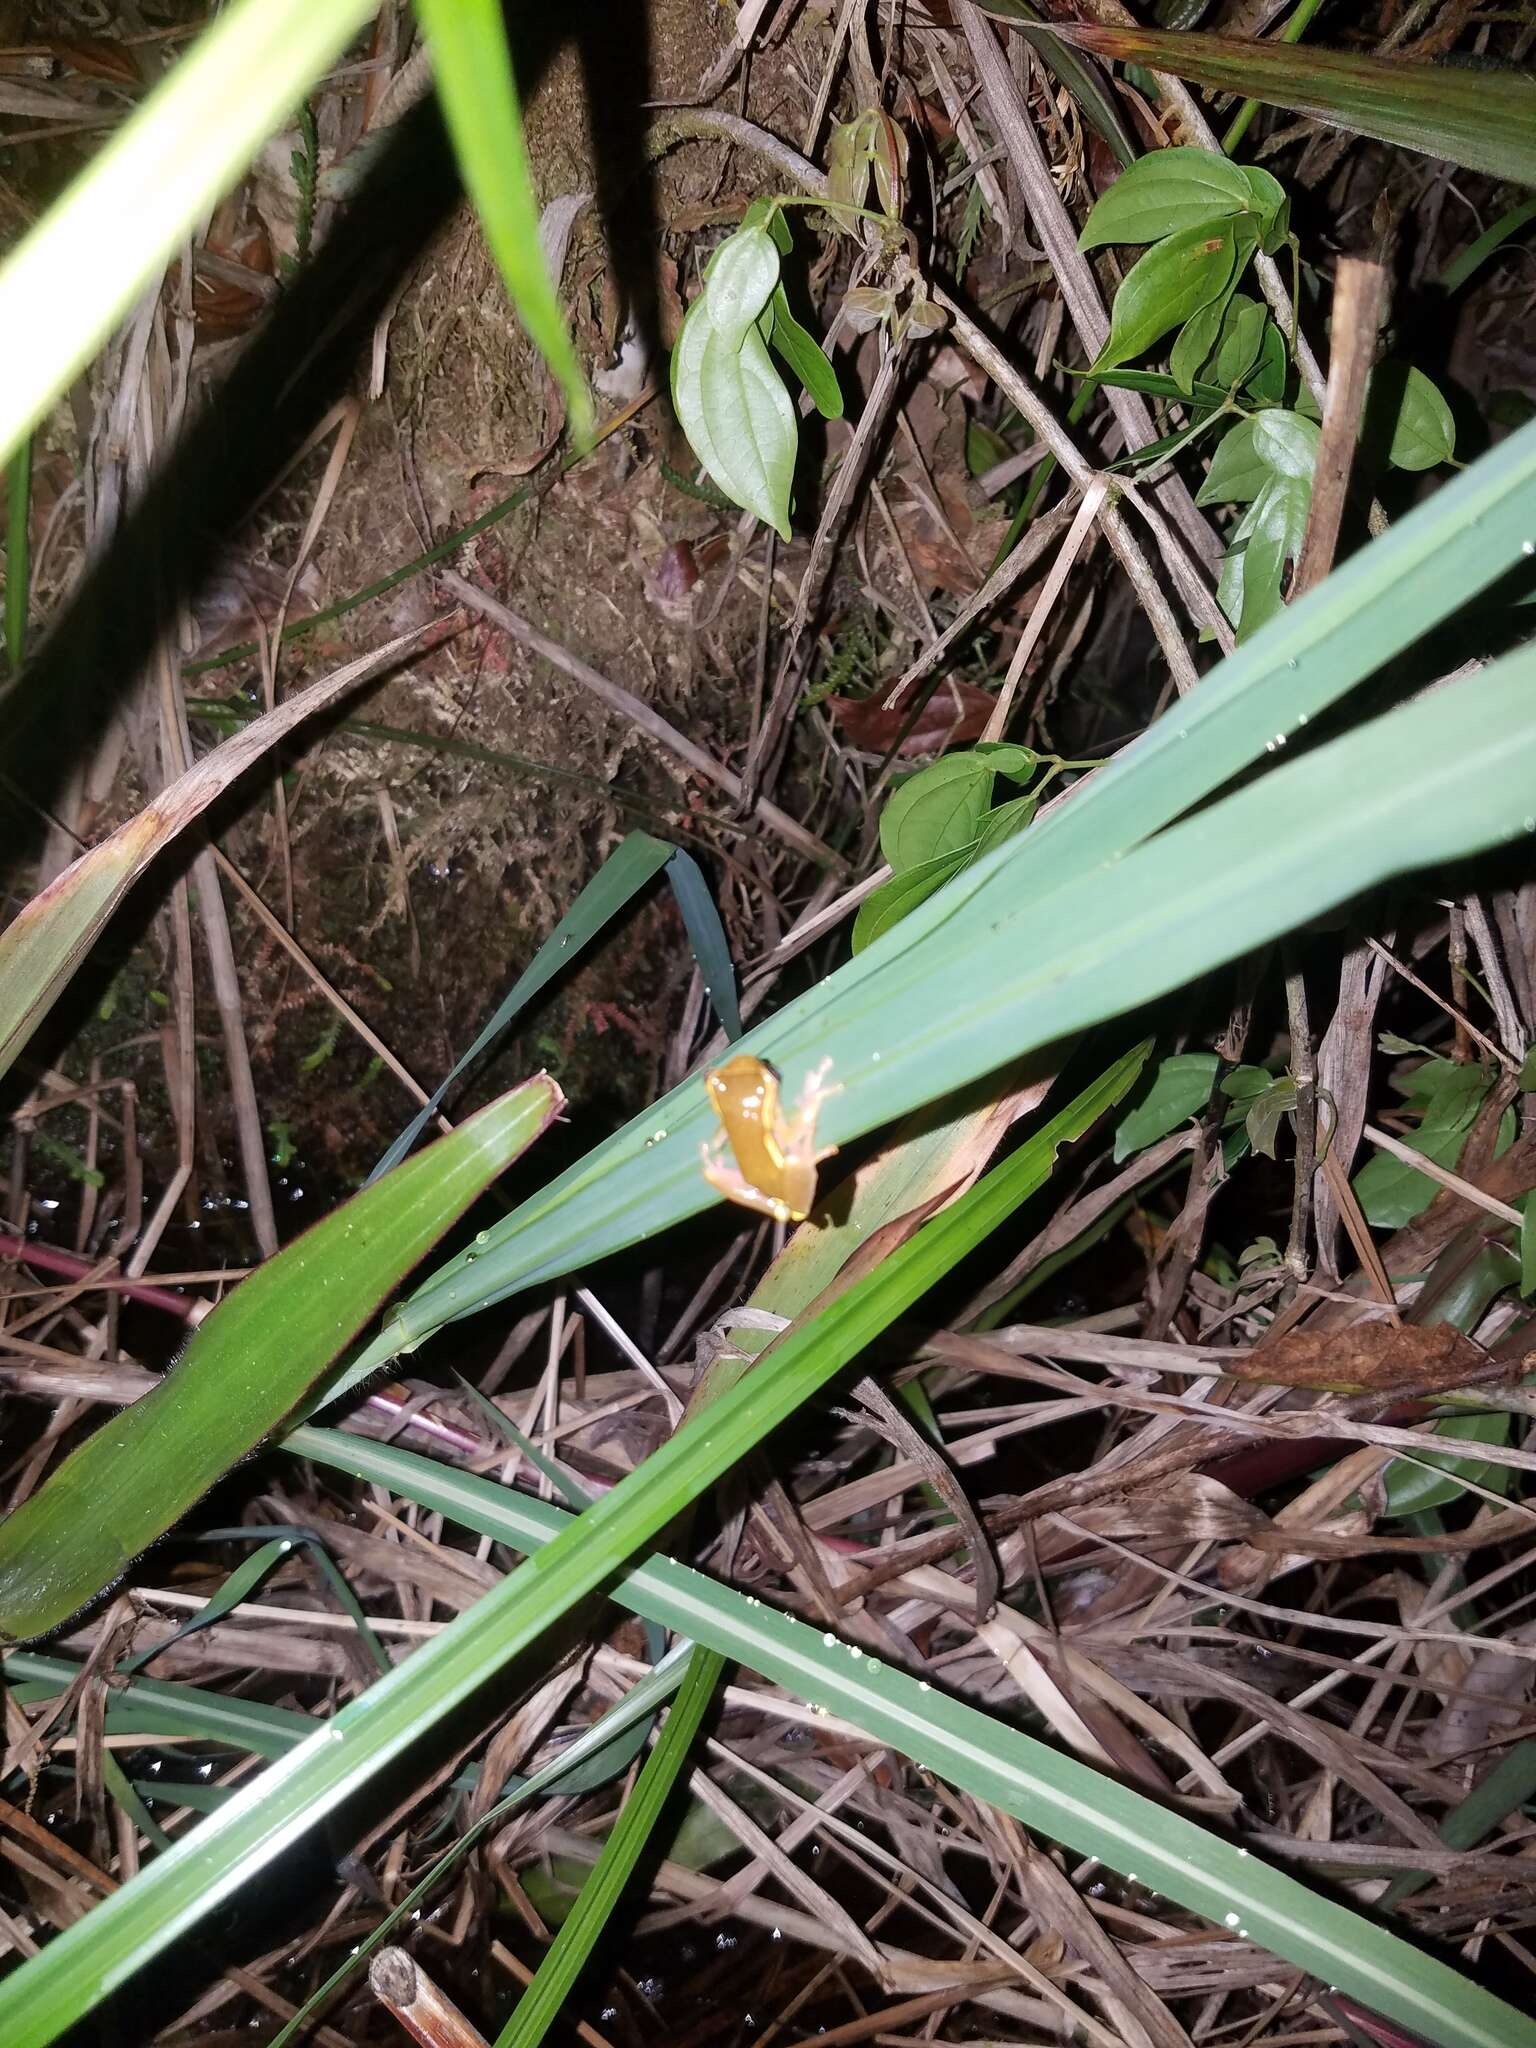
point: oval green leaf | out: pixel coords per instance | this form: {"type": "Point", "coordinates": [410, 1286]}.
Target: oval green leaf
{"type": "Point", "coordinates": [1166, 287]}
{"type": "Point", "coordinates": [737, 415]}
{"type": "Point", "coordinates": [739, 282]}
{"type": "Point", "coordinates": [1414, 1486]}
{"type": "Point", "coordinates": [1161, 194]}
{"type": "Point", "coordinates": [1181, 1087]}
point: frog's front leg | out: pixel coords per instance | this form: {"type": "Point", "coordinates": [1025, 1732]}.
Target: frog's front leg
{"type": "Point", "coordinates": [729, 1180]}
{"type": "Point", "coordinates": [801, 1134]}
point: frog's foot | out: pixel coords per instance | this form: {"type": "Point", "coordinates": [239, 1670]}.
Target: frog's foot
{"type": "Point", "coordinates": [814, 1090]}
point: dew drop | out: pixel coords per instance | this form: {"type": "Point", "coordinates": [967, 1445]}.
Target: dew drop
{"type": "Point", "coordinates": [1231, 1919]}
{"type": "Point", "coordinates": [1528, 547]}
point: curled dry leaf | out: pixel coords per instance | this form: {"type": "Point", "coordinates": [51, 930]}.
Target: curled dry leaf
{"type": "Point", "coordinates": [954, 715]}
{"type": "Point", "coordinates": [1373, 1358]}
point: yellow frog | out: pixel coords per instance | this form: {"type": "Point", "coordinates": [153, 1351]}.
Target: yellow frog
{"type": "Point", "coordinates": [776, 1156]}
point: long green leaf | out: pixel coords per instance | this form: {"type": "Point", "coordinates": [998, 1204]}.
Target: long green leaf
{"type": "Point", "coordinates": [475, 83]}
{"type": "Point", "coordinates": [1078, 919]}
{"type": "Point", "coordinates": [1058, 1796]}
{"type": "Point", "coordinates": [570, 1773]}
{"type": "Point", "coordinates": [1484, 120]}
{"type": "Point", "coordinates": [247, 1368]}
{"type": "Point", "coordinates": [152, 1706]}
{"type": "Point", "coordinates": [81, 268]}
{"type": "Point", "coordinates": [625, 872]}
{"type": "Point", "coordinates": [96, 1955]}
{"type": "Point", "coordinates": [540, 2004]}
{"type": "Point", "coordinates": [1084, 83]}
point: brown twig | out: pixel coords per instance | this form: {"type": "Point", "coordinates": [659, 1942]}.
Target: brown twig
{"type": "Point", "coordinates": [1359, 288]}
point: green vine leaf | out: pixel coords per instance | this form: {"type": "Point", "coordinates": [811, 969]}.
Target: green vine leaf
{"type": "Point", "coordinates": [1168, 192]}
{"type": "Point", "coordinates": [1168, 286]}
{"type": "Point", "coordinates": [729, 400]}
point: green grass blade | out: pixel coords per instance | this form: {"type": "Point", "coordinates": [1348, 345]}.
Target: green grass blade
{"type": "Point", "coordinates": [473, 67]}
{"type": "Point", "coordinates": [1471, 259]}
{"type": "Point", "coordinates": [625, 872]}
{"type": "Point", "coordinates": [1510, 1785]}
{"type": "Point", "coordinates": [1059, 1797]}
{"type": "Point", "coordinates": [1081, 80]}
{"type": "Point", "coordinates": [154, 1706]}
{"type": "Point", "coordinates": [89, 1960]}
{"type": "Point", "coordinates": [540, 2004]}
{"type": "Point", "coordinates": [566, 1774]}
{"type": "Point", "coordinates": [82, 266]}
{"type": "Point", "coordinates": [244, 1371]}
{"type": "Point", "coordinates": [1484, 120]}
{"type": "Point", "coordinates": [706, 935]}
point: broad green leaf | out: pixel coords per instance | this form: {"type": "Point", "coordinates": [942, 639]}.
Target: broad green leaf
{"type": "Point", "coordinates": [246, 1369]}
{"type": "Point", "coordinates": [1269, 535]}
{"type": "Point", "coordinates": [1286, 443]}
{"type": "Point", "coordinates": [1164, 192]}
{"type": "Point", "coordinates": [734, 408]}
{"type": "Point", "coordinates": [1194, 342]}
{"type": "Point", "coordinates": [739, 282]}
{"type": "Point", "coordinates": [1270, 203]}
{"type": "Point", "coordinates": [1157, 384]}
{"type": "Point", "coordinates": [1484, 120]}
{"type": "Point", "coordinates": [1268, 381]}
{"type": "Point", "coordinates": [984, 447]}
{"type": "Point", "coordinates": [1281, 448]}
{"type": "Point", "coordinates": [472, 67]}
{"type": "Point", "coordinates": [1181, 1087]}
{"type": "Point", "coordinates": [890, 903]}
{"type": "Point", "coordinates": [1237, 473]}
{"type": "Point", "coordinates": [1413, 1487]}
{"type": "Point", "coordinates": [1447, 1095]}
{"type": "Point", "coordinates": [44, 944]}
{"type": "Point", "coordinates": [1162, 289]}
{"type": "Point", "coordinates": [1198, 336]}
{"type": "Point", "coordinates": [1003, 820]}
{"type": "Point", "coordinates": [939, 809]}
{"type": "Point", "coordinates": [120, 221]}
{"type": "Point", "coordinates": [1263, 1111]}
{"type": "Point", "coordinates": [1237, 346]}
{"type": "Point", "coordinates": [1406, 418]}
{"type": "Point", "coordinates": [805, 356]}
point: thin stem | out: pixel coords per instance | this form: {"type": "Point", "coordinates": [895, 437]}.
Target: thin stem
{"type": "Point", "coordinates": [1293, 32]}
